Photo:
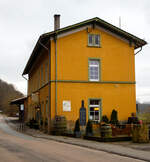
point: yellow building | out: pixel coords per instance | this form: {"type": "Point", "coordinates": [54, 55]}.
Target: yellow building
{"type": "Point", "coordinates": [92, 61]}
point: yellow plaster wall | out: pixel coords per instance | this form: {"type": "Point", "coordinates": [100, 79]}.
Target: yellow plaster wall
{"type": "Point", "coordinates": [117, 57]}
{"type": "Point", "coordinates": [120, 97]}
{"type": "Point", "coordinates": [35, 84]}
{"type": "Point", "coordinates": [117, 64]}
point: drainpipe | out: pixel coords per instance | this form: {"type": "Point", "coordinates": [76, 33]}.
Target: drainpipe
{"type": "Point", "coordinates": [56, 27]}
{"type": "Point", "coordinates": [138, 51]}
{"type": "Point", "coordinates": [49, 88]}
{"type": "Point", "coordinates": [55, 39]}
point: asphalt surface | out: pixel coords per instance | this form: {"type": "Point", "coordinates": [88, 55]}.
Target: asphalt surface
{"type": "Point", "coordinates": [17, 147]}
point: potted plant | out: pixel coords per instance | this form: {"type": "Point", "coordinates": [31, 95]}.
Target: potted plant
{"type": "Point", "coordinates": [77, 132]}
{"type": "Point", "coordinates": [105, 119]}
{"type": "Point", "coordinates": [46, 125]}
{"type": "Point", "coordinates": [89, 128]}
{"type": "Point", "coordinates": [114, 117]}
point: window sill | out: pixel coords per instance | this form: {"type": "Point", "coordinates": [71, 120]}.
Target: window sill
{"type": "Point", "coordinates": [93, 81]}
{"type": "Point", "coordinates": [94, 46]}
{"type": "Point", "coordinates": [95, 122]}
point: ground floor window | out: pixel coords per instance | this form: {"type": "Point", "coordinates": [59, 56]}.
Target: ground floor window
{"type": "Point", "coordinates": [94, 110]}
{"type": "Point", "coordinates": [46, 108]}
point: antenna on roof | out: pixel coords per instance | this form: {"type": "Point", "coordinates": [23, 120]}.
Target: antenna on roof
{"type": "Point", "coordinates": [120, 22]}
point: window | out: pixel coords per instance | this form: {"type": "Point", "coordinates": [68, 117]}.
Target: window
{"type": "Point", "coordinates": [94, 40]}
{"type": "Point", "coordinates": [39, 79]}
{"type": "Point", "coordinates": [94, 110]}
{"type": "Point", "coordinates": [46, 72]}
{"type": "Point", "coordinates": [42, 109]}
{"type": "Point", "coordinates": [46, 108]}
{"type": "Point", "coordinates": [94, 70]}
{"type": "Point", "coordinates": [41, 75]}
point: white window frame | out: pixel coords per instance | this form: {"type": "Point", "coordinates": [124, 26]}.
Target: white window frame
{"type": "Point", "coordinates": [93, 44]}
{"type": "Point", "coordinates": [95, 106]}
{"type": "Point", "coordinates": [90, 65]}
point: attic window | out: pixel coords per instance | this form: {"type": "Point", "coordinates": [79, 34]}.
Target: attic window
{"type": "Point", "coordinates": [94, 40]}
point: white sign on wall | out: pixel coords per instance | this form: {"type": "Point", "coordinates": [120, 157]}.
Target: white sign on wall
{"type": "Point", "coordinates": [66, 105]}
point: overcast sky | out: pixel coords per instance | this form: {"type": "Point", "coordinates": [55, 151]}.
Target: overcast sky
{"type": "Point", "coordinates": [23, 21]}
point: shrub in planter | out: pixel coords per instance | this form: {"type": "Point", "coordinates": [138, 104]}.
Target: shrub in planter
{"type": "Point", "coordinates": [114, 117]}
{"type": "Point", "coordinates": [33, 124]}
{"type": "Point", "coordinates": [46, 122]}
{"type": "Point", "coordinates": [89, 128]}
{"type": "Point", "coordinates": [36, 125]}
{"type": "Point", "coordinates": [105, 119]}
{"type": "Point", "coordinates": [77, 132]}
{"type": "Point", "coordinates": [41, 122]}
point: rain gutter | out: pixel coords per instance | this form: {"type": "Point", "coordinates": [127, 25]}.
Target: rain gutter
{"type": "Point", "coordinates": [138, 51]}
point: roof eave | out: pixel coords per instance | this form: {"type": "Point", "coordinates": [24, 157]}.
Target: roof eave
{"type": "Point", "coordinates": [137, 41]}
{"type": "Point", "coordinates": [31, 57]}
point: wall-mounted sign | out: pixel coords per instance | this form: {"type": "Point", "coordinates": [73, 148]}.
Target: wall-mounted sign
{"type": "Point", "coordinates": [66, 105]}
{"type": "Point", "coordinates": [96, 108]}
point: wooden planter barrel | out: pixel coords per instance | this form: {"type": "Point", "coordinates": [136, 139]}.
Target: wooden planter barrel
{"type": "Point", "coordinates": [60, 125]}
{"type": "Point", "coordinates": [106, 131]}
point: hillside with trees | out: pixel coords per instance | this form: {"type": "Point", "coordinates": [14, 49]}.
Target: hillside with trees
{"type": "Point", "coordinates": [8, 93]}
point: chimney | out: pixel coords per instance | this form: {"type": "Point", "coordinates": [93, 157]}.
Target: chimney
{"type": "Point", "coordinates": [56, 22]}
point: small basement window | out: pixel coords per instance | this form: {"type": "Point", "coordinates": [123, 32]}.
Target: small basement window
{"type": "Point", "coordinates": [94, 40]}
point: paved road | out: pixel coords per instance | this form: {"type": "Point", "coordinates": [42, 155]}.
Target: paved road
{"type": "Point", "coordinates": [17, 147]}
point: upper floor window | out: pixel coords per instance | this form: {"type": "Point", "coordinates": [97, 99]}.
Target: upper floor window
{"type": "Point", "coordinates": [46, 72]}
{"type": "Point", "coordinates": [39, 79]}
{"type": "Point", "coordinates": [41, 75]}
{"type": "Point", "coordinates": [94, 40]}
{"type": "Point", "coordinates": [46, 107]}
{"type": "Point", "coordinates": [94, 66]}
{"type": "Point", "coordinates": [42, 109]}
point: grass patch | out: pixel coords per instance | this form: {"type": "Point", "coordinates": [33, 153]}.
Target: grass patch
{"type": "Point", "coordinates": [145, 117]}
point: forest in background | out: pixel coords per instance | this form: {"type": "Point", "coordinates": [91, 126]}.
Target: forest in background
{"type": "Point", "coordinates": [8, 93]}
